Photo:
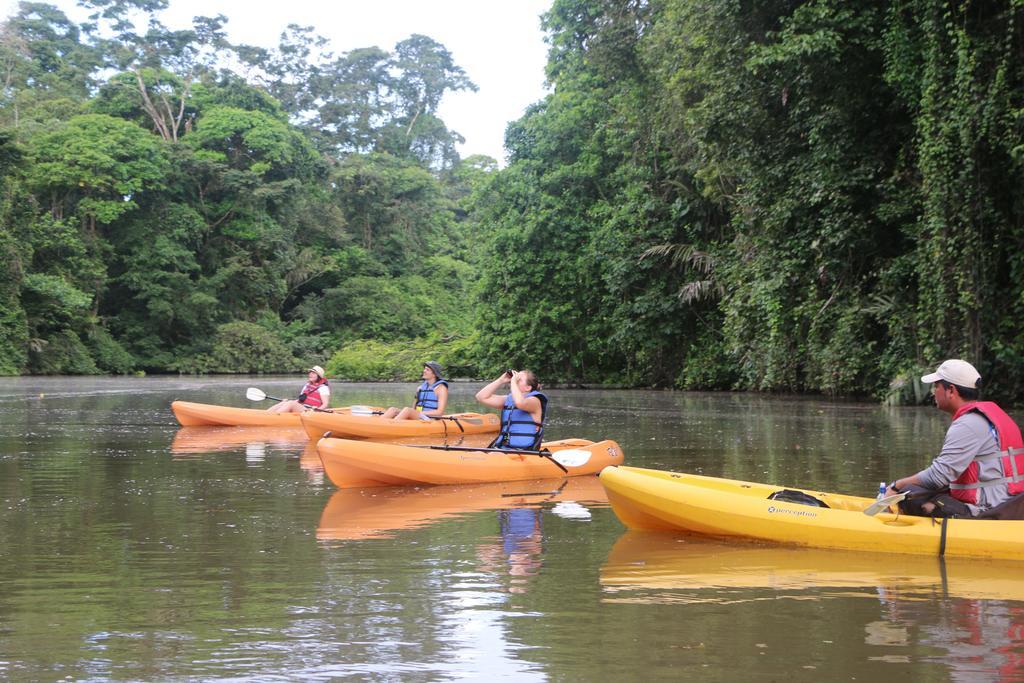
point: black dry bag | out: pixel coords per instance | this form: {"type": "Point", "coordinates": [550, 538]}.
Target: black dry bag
{"type": "Point", "coordinates": [799, 497]}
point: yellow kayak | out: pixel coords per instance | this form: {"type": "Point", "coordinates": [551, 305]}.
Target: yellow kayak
{"type": "Point", "coordinates": [671, 501]}
{"type": "Point", "coordinates": [205, 414]}
{"type": "Point", "coordinates": [353, 425]}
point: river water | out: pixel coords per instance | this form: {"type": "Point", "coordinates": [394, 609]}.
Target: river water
{"type": "Point", "coordinates": [133, 549]}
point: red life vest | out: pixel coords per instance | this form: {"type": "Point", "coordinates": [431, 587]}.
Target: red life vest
{"type": "Point", "coordinates": [1010, 455]}
{"type": "Point", "coordinates": [314, 399]}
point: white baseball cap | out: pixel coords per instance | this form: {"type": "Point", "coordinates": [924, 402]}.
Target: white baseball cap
{"type": "Point", "coordinates": [955, 371]}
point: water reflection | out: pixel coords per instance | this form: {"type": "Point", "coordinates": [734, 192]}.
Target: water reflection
{"type": "Point", "coordinates": [254, 443]}
{"type": "Point", "coordinates": [699, 570]}
{"type": "Point", "coordinates": [213, 439]}
{"type": "Point", "coordinates": [354, 514]}
{"type": "Point", "coordinates": [976, 639]}
{"type": "Point", "coordinates": [517, 550]}
{"type": "Point", "coordinates": [129, 559]}
{"type": "Point", "coordinates": [309, 461]}
{"type": "Point", "coordinates": [978, 636]}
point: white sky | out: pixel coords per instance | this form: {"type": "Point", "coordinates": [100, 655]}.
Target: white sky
{"type": "Point", "coordinates": [499, 44]}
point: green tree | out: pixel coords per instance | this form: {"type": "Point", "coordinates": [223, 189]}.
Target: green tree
{"type": "Point", "coordinates": [426, 71]}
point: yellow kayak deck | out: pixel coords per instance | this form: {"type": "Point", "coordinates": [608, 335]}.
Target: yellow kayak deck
{"type": "Point", "coordinates": [672, 501]}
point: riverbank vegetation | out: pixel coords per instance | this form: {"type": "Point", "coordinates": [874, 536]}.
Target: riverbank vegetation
{"type": "Point", "coordinates": [778, 196]}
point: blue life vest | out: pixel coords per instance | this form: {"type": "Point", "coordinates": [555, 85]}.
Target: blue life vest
{"type": "Point", "coordinates": [518, 430]}
{"type": "Point", "coordinates": [426, 398]}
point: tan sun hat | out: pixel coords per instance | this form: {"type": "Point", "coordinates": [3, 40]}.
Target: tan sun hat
{"type": "Point", "coordinates": [955, 371]}
{"type": "Point", "coordinates": [318, 370]}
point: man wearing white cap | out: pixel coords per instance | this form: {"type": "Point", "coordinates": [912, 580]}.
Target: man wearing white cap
{"type": "Point", "coordinates": [982, 459]}
{"type": "Point", "coordinates": [316, 393]}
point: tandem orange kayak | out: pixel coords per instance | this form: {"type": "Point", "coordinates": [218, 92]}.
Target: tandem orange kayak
{"type": "Point", "coordinates": [352, 425]}
{"type": "Point", "coordinates": [351, 464]}
{"type": "Point", "coordinates": [205, 414]}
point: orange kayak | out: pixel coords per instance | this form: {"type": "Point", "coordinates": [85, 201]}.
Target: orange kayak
{"type": "Point", "coordinates": [206, 414]}
{"type": "Point", "coordinates": [350, 426]}
{"type": "Point", "coordinates": [354, 514]}
{"type": "Point", "coordinates": [351, 464]}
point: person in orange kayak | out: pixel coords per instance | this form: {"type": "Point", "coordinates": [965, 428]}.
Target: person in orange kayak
{"type": "Point", "coordinates": [431, 397]}
{"type": "Point", "coordinates": [982, 459]}
{"type": "Point", "coordinates": [523, 410]}
{"type": "Point", "coordinates": [316, 393]}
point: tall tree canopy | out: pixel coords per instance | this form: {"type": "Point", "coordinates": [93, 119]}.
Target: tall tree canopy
{"type": "Point", "coordinates": [162, 211]}
{"type": "Point", "coordinates": [786, 196]}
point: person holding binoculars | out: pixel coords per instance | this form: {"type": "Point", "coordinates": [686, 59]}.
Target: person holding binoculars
{"type": "Point", "coordinates": [523, 410]}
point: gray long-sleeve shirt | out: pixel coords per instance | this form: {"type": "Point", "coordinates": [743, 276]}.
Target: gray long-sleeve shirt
{"type": "Point", "coordinates": [966, 439]}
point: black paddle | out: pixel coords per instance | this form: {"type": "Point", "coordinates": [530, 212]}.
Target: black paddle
{"type": "Point", "coordinates": [569, 457]}
{"type": "Point", "coordinates": [363, 410]}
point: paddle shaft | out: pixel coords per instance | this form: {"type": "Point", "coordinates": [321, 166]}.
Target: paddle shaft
{"type": "Point", "coordinates": [485, 449]}
{"type": "Point", "coordinates": [279, 400]}
{"type": "Point", "coordinates": [432, 417]}
{"type": "Point", "coordinates": [542, 454]}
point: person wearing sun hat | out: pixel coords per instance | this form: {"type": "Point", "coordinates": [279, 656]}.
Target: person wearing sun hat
{"type": "Point", "coordinates": [431, 397]}
{"type": "Point", "coordinates": [316, 393]}
{"type": "Point", "coordinates": [981, 455]}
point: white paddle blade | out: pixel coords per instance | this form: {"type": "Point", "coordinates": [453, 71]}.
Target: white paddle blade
{"type": "Point", "coordinates": [571, 457]}
{"type": "Point", "coordinates": [254, 394]}
{"type": "Point", "coordinates": [884, 503]}
{"type": "Point", "coordinates": [361, 410]}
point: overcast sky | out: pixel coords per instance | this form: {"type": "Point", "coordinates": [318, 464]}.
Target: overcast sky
{"type": "Point", "coordinates": [499, 44]}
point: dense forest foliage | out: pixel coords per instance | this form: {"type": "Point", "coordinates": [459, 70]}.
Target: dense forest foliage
{"type": "Point", "coordinates": [820, 196]}
{"type": "Point", "coordinates": [163, 212]}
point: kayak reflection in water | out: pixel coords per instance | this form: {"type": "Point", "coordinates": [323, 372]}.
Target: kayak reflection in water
{"type": "Point", "coordinates": [523, 410]}
{"type": "Point", "coordinates": [431, 397]}
{"type": "Point", "coordinates": [519, 550]}
{"type": "Point", "coordinates": [973, 640]}
{"type": "Point", "coordinates": [316, 393]}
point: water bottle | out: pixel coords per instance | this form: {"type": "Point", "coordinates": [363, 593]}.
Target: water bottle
{"type": "Point", "coordinates": [881, 490]}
